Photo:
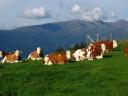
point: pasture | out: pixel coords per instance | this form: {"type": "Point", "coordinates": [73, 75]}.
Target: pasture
{"type": "Point", "coordinates": [105, 77]}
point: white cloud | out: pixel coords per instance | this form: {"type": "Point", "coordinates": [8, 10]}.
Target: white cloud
{"type": "Point", "coordinates": [75, 8]}
{"type": "Point", "coordinates": [35, 13]}
{"type": "Point", "coordinates": [109, 17]}
{"type": "Point", "coordinates": [92, 14]}
{"type": "Point", "coordinates": [112, 17]}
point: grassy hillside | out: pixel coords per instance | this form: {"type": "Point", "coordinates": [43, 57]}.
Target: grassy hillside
{"type": "Point", "coordinates": [105, 77]}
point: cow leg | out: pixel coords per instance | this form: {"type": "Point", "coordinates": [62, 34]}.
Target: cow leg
{"type": "Point", "coordinates": [33, 58]}
{"type": "Point", "coordinates": [48, 63]}
{"type": "Point", "coordinates": [16, 61]}
{"type": "Point", "coordinates": [39, 58]}
{"type": "Point", "coordinates": [4, 60]}
{"type": "Point", "coordinates": [90, 59]}
{"type": "Point", "coordinates": [29, 57]}
{"type": "Point", "coordinates": [99, 57]}
{"type": "Point", "coordinates": [77, 58]}
{"type": "Point", "coordinates": [11, 62]}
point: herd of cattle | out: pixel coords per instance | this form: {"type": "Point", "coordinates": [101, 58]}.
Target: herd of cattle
{"type": "Point", "coordinates": [94, 51]}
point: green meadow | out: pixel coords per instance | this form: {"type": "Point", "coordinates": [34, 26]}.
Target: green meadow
{"type": "Point", "coordinates": [104, 77]}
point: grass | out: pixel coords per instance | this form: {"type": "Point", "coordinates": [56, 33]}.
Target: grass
{"type": "Point", "coordinates": [105, 77]}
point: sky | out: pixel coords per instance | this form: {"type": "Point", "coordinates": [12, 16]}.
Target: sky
{"type": "Point", "coordinates": [15, 13]}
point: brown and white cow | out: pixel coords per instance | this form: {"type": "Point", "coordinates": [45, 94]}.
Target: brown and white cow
{"type": "Point", "coordinates": [11, 57]}
{"type": "Point", "coordinates": [95, 52]}
{"type": "Point", "coordinates": [80, 54]}
{"type": "Point", "coordinates": [3, 53]}
{"type": "Point", "coordinates": [109, 44]}
{"type": "Point", "coordinates": [91, 52]}
{"type": "Point", "coordinates": [36, 54]}
{"type": "Point", "coordinates": [57, 58]}
{"type": "Point", "coordinates": [126, 51]}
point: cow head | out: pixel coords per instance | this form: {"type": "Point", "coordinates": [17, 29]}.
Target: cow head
{"type": "Point", "coordinates": [103, 48]}
{"type": "Point", "coordinates": [68, 54]}
{"type": "Point", "coordinates": [47, 60]}
{"type": "Point", "coordinates": [90, 46]}
{"type": "Point", "coordinates": [1, 54]}
{"type": "Point", "coordinates": [38, 50]}
{"type": "Point", "coordinates": [17, 53]}
{"type": "Point", "coordinates": [89, 52]}
{"type": "Point", "coordinates": [115, 44]}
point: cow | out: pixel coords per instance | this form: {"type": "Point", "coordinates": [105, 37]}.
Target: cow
{"type": "Point", "coordinates": [3, 53]}
{"type": "Point", "coordinates": [109, 44]}
{"type": "Point", "coordinates": [80, 54]}
{"type": "Point", "coordinates": [12, 57]}
{"type": "Point", "coordinates": [125, 51]}
{"type": "Point", "coordinates": [57, 58]}
{"type": "Point", "coordinates": [91, 52]}
{"type": "Point", "coordinates": [36, 54]}
{"type": "Point", "coordinates": [95, 52]}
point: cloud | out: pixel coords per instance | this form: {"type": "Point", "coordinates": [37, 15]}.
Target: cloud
{"type": "Point", "coordinates": [92, 14]}
{"type": "Point", "coordinates": [35, 13]}
{"type": "Point", "coordinates": [75, 8]}
{"type": "Point", "coordinates": [111, 17]}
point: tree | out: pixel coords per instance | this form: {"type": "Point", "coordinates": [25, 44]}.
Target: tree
{"type": "Point", "coordinates": [76, 46]}
{"type": "Point", "coordinates": [82, 45]}
{"type": "Point", "coordinates": [59, 50]}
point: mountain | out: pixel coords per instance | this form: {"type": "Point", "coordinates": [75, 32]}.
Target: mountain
{"type": "Point", "coordinates": [59, 34]}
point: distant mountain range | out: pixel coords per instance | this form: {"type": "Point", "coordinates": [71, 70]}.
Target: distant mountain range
{"type": "Point", "coordinates": [60, 34]}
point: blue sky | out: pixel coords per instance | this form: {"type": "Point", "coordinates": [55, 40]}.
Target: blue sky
{"type": "Point", "coordinates": [34, 12]}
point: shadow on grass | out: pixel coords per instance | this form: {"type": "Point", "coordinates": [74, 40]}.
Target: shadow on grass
{"type": "Point", "coordinates": [117, 50]}
{"type": "Point", "coordinates": [25, 61]}
{"type": "Point", "coordinates": [108, 56]}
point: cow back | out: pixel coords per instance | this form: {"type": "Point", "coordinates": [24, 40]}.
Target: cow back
{"type": "Point", "coordinates": [11, 57]}
{"type": "Point", "coordinates": [57, 58]}
{"type": "Point", "coordinates": [35, 54]}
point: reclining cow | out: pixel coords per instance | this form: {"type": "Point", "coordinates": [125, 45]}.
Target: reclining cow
{"type": "Point", "coordinates": [57, 58]}
{"type": "Point", "coordinates": [36, 54]}
{"type": "Point", "coordinates": [11, 57]}
{"type": "Point", "coordinates": [3, 53]}
{"type": "Point", "coordinates": [90, 53]}
{"type": "Point", "coordinates": [95, 52]}
{"type": "Point", "coordinates": [109, 44]}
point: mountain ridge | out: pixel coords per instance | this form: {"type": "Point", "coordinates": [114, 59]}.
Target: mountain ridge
{"type": "Point", "coordinates": [59, 34]}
